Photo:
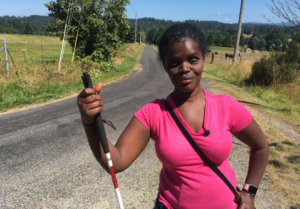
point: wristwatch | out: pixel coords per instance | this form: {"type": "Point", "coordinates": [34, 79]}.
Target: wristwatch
{"type": "Point", "coordinates": [249, 188]}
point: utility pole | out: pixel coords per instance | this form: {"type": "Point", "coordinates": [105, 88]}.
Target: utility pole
{"type": "Point", "coordinates": [141, 35]}
{"type": "Point", "coordinates": [238, 32]}
{"type": "Point", "coordinates": [135, 27]}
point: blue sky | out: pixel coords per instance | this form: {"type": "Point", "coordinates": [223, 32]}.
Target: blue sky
{"type": "Point", "coordinates": [218, 10]}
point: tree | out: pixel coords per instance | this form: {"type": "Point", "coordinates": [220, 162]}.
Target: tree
{"type": "Point", "coordinates": [28, 29]}
{"type": "Point", "coordinates": [247, 41]}
{"type": "Point", "coordinates": [269, 45]}
{"type": "Point", "coordinates": [276, 33]}
{"type": "Point", "coordinates": [219, 40]}
{"type": "Point", "coordinates": [227, 42]}
{"type": "Point", "coordinates": [211, 39]}
{"type": "Point", "coordinates": [101, 24]}
{"type": "Point", "coordinates": [150, 35]}
{"type": "Point", "coordinates": [262, 44]}
{"type": "Point", "coordinates": [287, 12]}
{"type": "Point", "coordinates": [242, 41]}
{"type": "Point", "coordinates": [129, 38]}
{"type": "Point", "coordinates": [143, 37]}
{"type": "Point", "coordinates": [254, 43]}
{"type": "Point", "coordinates": [158, 34]}
{"type": "Point", "coordinates": [277, 45]}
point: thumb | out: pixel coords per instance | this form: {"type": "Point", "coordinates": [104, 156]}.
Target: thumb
{"type": "Point", "coordinates": [98, 87]}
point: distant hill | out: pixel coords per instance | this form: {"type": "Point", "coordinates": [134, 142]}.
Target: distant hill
{"type": "Point", "coordinates": [279, 24]}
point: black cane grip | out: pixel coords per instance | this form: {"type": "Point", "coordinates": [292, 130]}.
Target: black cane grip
{"type": "Point", "coordinates": [98, 119]}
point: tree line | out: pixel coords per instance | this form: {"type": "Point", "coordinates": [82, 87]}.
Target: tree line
{"type": "Point", "coordinates": [255, 36]}
{"type": "Point", "coordinates": [31, 25]}
{"type": "Point", "coordinates": [264, 37]}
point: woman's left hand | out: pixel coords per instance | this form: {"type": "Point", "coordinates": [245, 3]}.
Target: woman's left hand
{"type": "Point", "coordinates": [247, 200]}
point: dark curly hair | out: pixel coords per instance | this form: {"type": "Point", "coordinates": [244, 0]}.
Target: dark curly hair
{"type": "Point", "coordinates": [178, 32]}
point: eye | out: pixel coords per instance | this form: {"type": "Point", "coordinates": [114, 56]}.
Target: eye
{"type": "Point", "coordinates": [174, 64]}
{"type": "Point", "coordinates": [193, 61]}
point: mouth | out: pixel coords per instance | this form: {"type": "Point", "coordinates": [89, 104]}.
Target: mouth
{"type": "Point", "coordinates": [185, 79]}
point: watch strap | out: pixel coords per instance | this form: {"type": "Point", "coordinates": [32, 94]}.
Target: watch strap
{"type": "Point", "coordinates": [249, 188]}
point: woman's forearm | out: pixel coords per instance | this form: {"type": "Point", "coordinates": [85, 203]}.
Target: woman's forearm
{"type": "Point", "coordinates": [95, 145]}
{"type": "Point", "coordinates": [257, 165]}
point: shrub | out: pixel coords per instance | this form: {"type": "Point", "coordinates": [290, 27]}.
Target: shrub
{"type": "Point", "coordinates": [278, 68]}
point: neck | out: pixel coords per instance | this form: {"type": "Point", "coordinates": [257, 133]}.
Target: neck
{"type": "Point", "coordinates": [187, 97]}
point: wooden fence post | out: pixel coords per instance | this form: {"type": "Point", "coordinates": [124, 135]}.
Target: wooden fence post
{"type": "Point", "coordinates": [42, 53]}
{"type": "Point", "coordinates": [212, 57]}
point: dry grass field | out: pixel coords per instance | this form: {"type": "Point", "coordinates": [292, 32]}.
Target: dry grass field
{"type": "Point", "coordinates": [220, 57]}
{"type": "Point", "coordinates": [26, 50]}
{"type": "Point", "coordinates": [247, 36]}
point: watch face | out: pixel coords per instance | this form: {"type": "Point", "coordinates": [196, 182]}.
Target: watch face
{"type": "Point", "coordinates": [252, 190]}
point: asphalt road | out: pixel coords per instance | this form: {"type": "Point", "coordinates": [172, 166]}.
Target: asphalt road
{"type": "Point", "coordinates": [46, 162]}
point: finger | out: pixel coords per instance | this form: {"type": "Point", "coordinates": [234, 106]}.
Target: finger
{"type": "Point", "coordinates": [92, 105]}
{"type": "Point", "coordinates": [98, 87]}
{"type": "Point", "coordinates": [93, 112]}
{"type": "Point", "coordinates": [86, 92]}
{"type": "Point", "coordinates": [90, 99]}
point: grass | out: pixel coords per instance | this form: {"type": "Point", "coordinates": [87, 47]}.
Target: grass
{"type": "Point", "coordinates": [220, 57]}
{"type": "Point", "coordinates": [32, 54]}
{"type": "Point", "coordinates": [39, 83]}
{"type": "Point", "coordinates": [282, 99]}
{"type": "Point", "coordinates": [277, 101]}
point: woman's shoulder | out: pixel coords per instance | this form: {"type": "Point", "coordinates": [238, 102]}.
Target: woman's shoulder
{"type": "Point", "coordinates": [152, 107]}
{"type": "Point", "coordinates": [149, 114]}
{"type": "Point", "coordinates": [157, 103]}
{"type": "Point", "coordinates": [219, 98]}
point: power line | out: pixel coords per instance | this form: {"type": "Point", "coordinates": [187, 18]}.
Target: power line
{"type": "Point", "coordinates": [130, 13]}
{"type": "Point", "coordinates": [132, 7]}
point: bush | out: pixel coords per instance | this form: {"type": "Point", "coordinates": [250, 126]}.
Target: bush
{"type": "Point", "coordinates": [278, 68]}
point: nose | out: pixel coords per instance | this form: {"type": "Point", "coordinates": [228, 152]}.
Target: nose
{"type": "Point", "coordinates": [185, 67]}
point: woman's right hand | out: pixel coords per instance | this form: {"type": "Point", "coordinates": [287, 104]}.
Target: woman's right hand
{"type": "Point", "coordinates": [90, 103]}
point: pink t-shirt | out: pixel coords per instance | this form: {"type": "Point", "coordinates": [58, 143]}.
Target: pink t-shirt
{"type": "Point", "coordinates": [185, 180]}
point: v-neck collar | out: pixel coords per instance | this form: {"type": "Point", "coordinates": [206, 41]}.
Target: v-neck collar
{"type": "Point", "coordinates": [186, 125]}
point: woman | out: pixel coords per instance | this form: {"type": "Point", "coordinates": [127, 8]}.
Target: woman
{"type": "Point", "coordinates": [185, 180]}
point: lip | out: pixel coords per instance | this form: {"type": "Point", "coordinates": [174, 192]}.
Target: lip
{"type": "Point", "coordinates": [185, 80]}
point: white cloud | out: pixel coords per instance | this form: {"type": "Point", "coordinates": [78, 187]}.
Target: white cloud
{"type": "Point", "coordinates": [220, 14]}
{"type": "Point", "coordinates": [226, 18]}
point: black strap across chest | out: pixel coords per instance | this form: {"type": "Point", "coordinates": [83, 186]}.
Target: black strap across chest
{"type": "Point", "coordinates": [190, 139]}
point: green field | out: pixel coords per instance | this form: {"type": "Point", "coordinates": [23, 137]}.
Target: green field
{"type": "Point", "coordinates": [32, 45]}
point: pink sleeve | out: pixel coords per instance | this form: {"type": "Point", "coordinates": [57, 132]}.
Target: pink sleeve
{"type": "Point", "coordinates": [239, 116]}
{"type": "Point", "coordinates": [147, 114]}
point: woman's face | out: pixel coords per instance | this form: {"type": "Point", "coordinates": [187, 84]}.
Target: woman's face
{"type": "Point", "coordinates": [184, 64]}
